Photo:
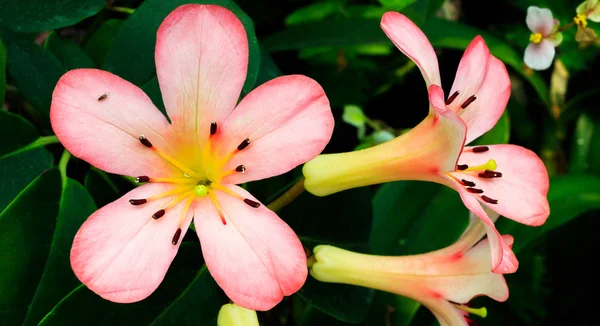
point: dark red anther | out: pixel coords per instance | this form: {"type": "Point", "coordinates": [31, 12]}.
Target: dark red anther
{"type": "Point", "coordinates": [468, 183]}
{"type": "Point", "coordinates": [468, 101]}
{"type": "Point", "coordinates": [475, 190]}
{"type": "Point", "coordinates": [486, 175]}
{"type": "Point", "coordinates": [158, 214]}
{"type": "Point", "coordinates": [142, 178]}
{"type": "Point", "coordinates": [176, 237]}
{"type": "Point", "coordinates": [461, 167]}
{"type": "Point", "coordinates": [213, 128]}
{"type": "Point", "coordinates": [480, 149]}
{"type": "Point", "coordinates": [244, 144]}
{"type": "Point", "coordinates": [252, 203]}
{"type": "Point", "coordinates": [489, 200]}
{"type": "Point", "coordinates": [136, 202]}
{"type": "Point", "coordinates": [452, 98]}
{"type": "Point", "coordinates": [145, 141]}
{"type": "Point", "coordinates": [496, 174]}
{"type": "Point", "coordinates": [240, 168]}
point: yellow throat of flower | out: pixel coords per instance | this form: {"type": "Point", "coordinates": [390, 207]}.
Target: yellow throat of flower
{"type": "Point", "coordinates": [536, 38]}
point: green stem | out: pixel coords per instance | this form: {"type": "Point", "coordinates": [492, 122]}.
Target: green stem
{"type": "Point", "coordinates": [40, 142]}
{"type": "Point", "coordinates": [288, 196]}
{"type": "Point", "coordinates": [125, 10]}
{"type": "Point", "coordinates": [62, 166]}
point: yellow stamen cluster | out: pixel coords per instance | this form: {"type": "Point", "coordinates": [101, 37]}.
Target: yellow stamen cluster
{"type": "Point", "coordinates": [536, 38]}
{"type": "Point", "coordinates": [580, 20]}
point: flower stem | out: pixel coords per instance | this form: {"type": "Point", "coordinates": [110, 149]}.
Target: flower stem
{"type": "Point", "coordinates": [125, 10]}
{"type": "Point", "coordinates": [62, 166]}
{"type": "Point", "coordinates": [567, 26]}
{"type": "Point", "coordinates": [40, 142]}
{"type": "Point", "coordinates": [287, 196]}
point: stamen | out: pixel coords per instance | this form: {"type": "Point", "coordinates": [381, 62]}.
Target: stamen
{"type": "Point", "coordinates": [475, 190]}
{"type": "Point", "coordinates": [461, 167]}
{"type": "Point", "coordinates": [468, 183]}
{"type": "Point", "coordinates": [136, 202]}
{"type": "Point", "coordinates": [251, 203]}
{"type": "Point", "coordinates": [452, 98]}
{"type": "Point", "coordinates": [145, 141]}
{"type": "Point", "coordinates": [243, 144]}
{"type": "Point", "coordinates": [158, 214]}
{"type": "Point", "coordinates": [142, 178]}
{"type": "Point", "coordinates": [171, 192]}
{"type": "Point", "coordinates": [103, 97]}
{"type": "Point", "coordinates": [480, 149]}
{"type": "Point", "coordinates": [240, 168]}
{"type": "Point", "coordinates": [179, 199]}
{"type": "Point", "coordinates": [176, 237]}
{"type": "Point", "coordinates": [489, 200]}
{"type": "Point", "coordinates": [218, 207]}
{"type": "Point", "coordinates": [495, 173]}
{"type": "Point", "coordinates": [489, 165]}
{"type": "Point", "coordinates": [490, 174]}
{"type": "Point", "coordinates": [481, 312]}
{"type": "Point", "coordinates": [174, 180]}
{"type": "Point", "coordinates": [213, 128]}
{"type": "Point", "coordinates": [468, 101]}
{"type": "Point", "coordinates": [185, 209]}
{"type": "Point", "coordinates": [201, 190]}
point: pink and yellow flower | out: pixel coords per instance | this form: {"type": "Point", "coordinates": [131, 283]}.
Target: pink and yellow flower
{"type": "Point", "coordinates": [544, 37]}
{"type": "Point", "coordinates": [190, 166]}
{"type": "Point", "coordinates": [444, 280]}
{"type": "Point", "coordinates": [509, 179]}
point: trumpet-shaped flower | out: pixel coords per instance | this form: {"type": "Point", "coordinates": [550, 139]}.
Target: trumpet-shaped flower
{"type": "Point", "coordinates": [509, 179]}
{"type": "Point", "coordinates": [590, 9]}
{"type": "Point", "coordinates": [544, 38]}
{"type": "Point", "coordinates": [233, 315]}
{"type": "Point", "coordinates": [190, 166]}
{"type": "Point", "coordinates": [444, 280]}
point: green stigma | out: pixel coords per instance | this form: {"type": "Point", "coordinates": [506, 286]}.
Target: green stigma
{"type": "Point", "coordinates": [201, 190]}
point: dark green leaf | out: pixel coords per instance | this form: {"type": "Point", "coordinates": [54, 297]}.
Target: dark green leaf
{"type": "Point", "coordinates": [500, 134]}
{"type": "Point", "coordinates": [43, 15]}
{"type": "Point", "coordinates": [153, 90]}
{"type": "Point", "coordinates": [17, 171]}
{"type": "Point", "coordinates": [35, 72]}
{"type": "Point", "coordinates": [396, 5]}
{"type": "Point", "coordinates": [68, 53]}
{"type": "Point", "coordinates": [26, 228]}
{"type": "Point", "coordinates": [186, 289]}
{"type": "Point", "coordinates": [569, 197]}
{"type": "Point", "coordinates": [585, 130]}
{"type": "Point", "coordinates": [15, 132]}
{"type": "Point", "coordinates": [103, 187]}
{"type": "Point", "coordinates": [99, 44]}
{"type": "Point", "coordinates": [314, 12]}
{"type": "Point", "coordinates": [2, 71]}
{"type": "Point", "coordinates": [268, 69]}
{"type": "Point", "coordinates": [132, 53]}
{"type": "Point", "coordinates": [58, 279]}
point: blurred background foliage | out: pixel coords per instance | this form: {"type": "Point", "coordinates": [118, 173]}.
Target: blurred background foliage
{"type": "Point", "coordinates": [375, 92]}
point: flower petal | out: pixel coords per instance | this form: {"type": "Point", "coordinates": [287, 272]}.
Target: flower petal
{"type": "Point", "coordinates": [590, 8]}
{"type": "Point", "coordinates": [471, 71]}
{"type": "Point", "coordinates": [522, 189]}
{"type": "Point", "coordinates": [409, 39]}
{"type": "Point", "coordinates": [288, 121]}
{"type": "Point", "coordinates": [121, 252]}
{"type": "Point", "coordinates": [201, 62]}
{"type": "Point", "coordinates": [539, 56]}
{"type": "Point", "coordinates": [492, 97]}
{"type": "Point", "coordinates": [98, 117]}
{"type": "Point", "coordinates": [539, 20]}
{"type": "Point", "coordinates": [256, 258]}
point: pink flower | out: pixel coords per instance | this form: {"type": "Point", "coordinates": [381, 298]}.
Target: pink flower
{"type": "Point", "coordinates": [444, 280]}
{"type": "Point", "coordinates": [192, 164]}
{"type": "Point", "coordinates": [508, 179]}
{"type": "Point", "coordinates": [540, 52]}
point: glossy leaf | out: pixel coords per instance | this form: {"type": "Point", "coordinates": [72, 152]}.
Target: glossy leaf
{"type": "Point", "coordinates": [68, 53]}
{"type": "Point", "coordinates": [98, 45]}
{"type": "Point", "coordinates": [132, 53]}
{"type": "Point", "coordinates": [35, 71]}
{"type": "Point", "coordinates": [26, 228]}
{"type": "Point", "coordinates": [15, 132]}
{"type": "Point", "coordinates": [101, 187]}
{"type": "Point", "coordinates": [500, 134]}
{"type": "Point", "coordinates": [2, 71]}
{"type": "Point", "coordinates": [586, 131]}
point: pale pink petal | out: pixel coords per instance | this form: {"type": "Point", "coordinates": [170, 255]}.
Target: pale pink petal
{"type": "Point", "coordinates": [445, 312]}
{"type": "Point", "coordinates": [492, 97]}
{"type": "Point", "coordinates": [201, 62]}
{"type": "Point", "coordinates": [121, 252]}
{"type": "Point", "coordinates": [413, 43]}
{"type": "Point", "coordinates": [522, 189]}
{"type": "Point", "coordinates": [470, 74]}
{"type": "Point", "coordinates": [98, 117]}
{"type": "Point", "coordinates": [288, 121]}
{"type": "Point", "coordinates": [539, 56]}
{"type": "Point", "coordinates": [539, 20]}
{"type": "Point", "coordinates": [256, 258]}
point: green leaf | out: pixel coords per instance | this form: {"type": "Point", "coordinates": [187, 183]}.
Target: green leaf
{"type": "Point", "coordinates": [396, 5]}
{"type": "Point", "coordinates": [152, 89]}
{"type": "Point", "coordinates": [585, 130]}
{"type": "Point", "coordinates": [15, 132]}
{"type": "Point", "coordinates": [2, 71]}
{"type": "Point", "coordinates": [100, 42]}
{"type": "Point", "coordinates": [187, 296]}
{"type": "Point", "coordinates": [569, 197]}
{"type": "Point", "coordinates": [68, 53]}
{"type": "Point", "coordinates": [314, 12]}
{"type": "Point", "coordinates": [499, 134]}
{"type": "Point", "coordinates": [43, 15]}
{"type": "Point", "coordinates": [35, 72]}
{"type": "Point", "coordinates": [17, 171]}
{"type": "Point", "coordinates": [58, 280]}
{"type": "Point", "coordinates": [268, 69]}
{"type": "Point", "coordinates": [132, 53]}
{"type": "Point", "coordinates": [26, 228]}
{"type": "Point", "coordinates": [101, 187]}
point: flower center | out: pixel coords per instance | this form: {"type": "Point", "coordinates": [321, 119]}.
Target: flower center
{"type": "Point", "coordinates": [193, 184]}
{"type": "Point", "coordinates": [536, 38]}
{"type": "Point", "coordinates": [483, 171]}
{"type": "Point", "coordinates": [580, 20]}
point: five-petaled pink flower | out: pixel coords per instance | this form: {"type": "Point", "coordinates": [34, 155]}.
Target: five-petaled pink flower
{"type": "Point", "coordinates": [540, 52]}
{"type": "Point", "coordinates": [509, 179]}
{"type": "Point", "coordinates": [191, 165]}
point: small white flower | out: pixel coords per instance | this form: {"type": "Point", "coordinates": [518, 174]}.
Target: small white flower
{"type": "Point", "coordinates": [540, 52]}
